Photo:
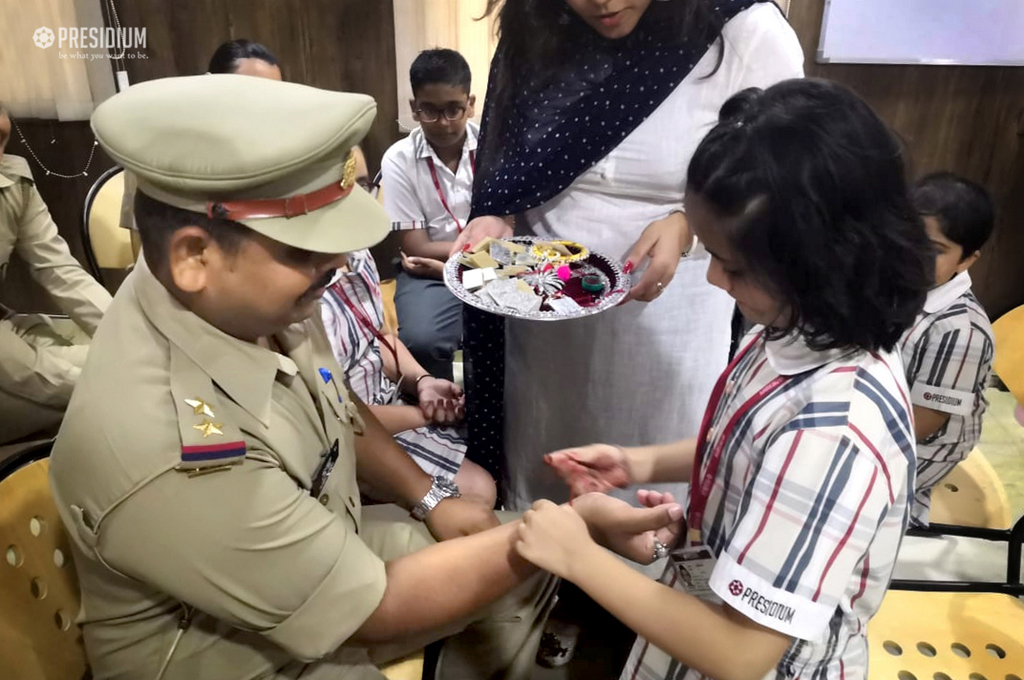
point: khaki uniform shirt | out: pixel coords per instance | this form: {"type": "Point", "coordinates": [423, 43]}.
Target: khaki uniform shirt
{"type": "Point", "coordinates": [278, 577]}
{"type": "Point", "coordinates": [26, 371]}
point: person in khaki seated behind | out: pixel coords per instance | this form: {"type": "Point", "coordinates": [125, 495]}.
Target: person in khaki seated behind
{"type": "Point", "coordinates": [38, 366]}
{"type": "Point", "coordinates": [210, 466]}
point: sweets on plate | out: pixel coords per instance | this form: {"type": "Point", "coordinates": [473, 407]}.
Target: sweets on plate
{"type": "Point", "coordinates": [537, 276]}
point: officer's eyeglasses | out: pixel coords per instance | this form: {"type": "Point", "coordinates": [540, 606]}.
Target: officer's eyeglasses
{"type": "Point", "coordinates": [430, 114]}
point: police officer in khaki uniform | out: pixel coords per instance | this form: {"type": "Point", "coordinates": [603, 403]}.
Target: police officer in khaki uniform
{"type": "Point", "coordinates": [39, 363]}
{"type": "Point", "coordinates": [207, 466]}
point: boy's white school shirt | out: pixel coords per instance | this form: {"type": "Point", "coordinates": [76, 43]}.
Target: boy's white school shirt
{"type": "Point", "coordinates": [411, 197]}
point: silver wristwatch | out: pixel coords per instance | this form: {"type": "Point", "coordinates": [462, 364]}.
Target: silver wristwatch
{"type": "Point", "coordinates": [439, 490]}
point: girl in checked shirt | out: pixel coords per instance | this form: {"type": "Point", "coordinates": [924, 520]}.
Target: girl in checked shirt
{"type": "Point", "coordinates": [803, 472]}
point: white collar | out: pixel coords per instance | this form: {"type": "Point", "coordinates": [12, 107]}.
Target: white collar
{"type": "Point", "coordinates": [790, 355]}
{"type": "Point", "coordinates": [943, 296]}
{"type": "Point", "coordinates": [423, 149]}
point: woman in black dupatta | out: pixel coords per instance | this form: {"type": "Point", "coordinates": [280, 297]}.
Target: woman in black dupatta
{"type": "Point", "coordinates": [593, 110]}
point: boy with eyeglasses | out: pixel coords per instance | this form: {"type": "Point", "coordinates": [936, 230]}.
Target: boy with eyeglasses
{"type": "Point", "coordinates": [427, 181]}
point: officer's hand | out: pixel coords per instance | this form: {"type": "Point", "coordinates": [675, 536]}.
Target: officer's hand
{"type": "Point", "coordinates": [454, 517]}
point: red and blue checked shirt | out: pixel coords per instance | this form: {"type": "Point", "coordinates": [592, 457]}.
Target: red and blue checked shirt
{"type": "Point", "coordinates": [355, 346]}
{"type": "Point", "coordinates": [809, 503]}
{"type": "Point", "coordinates": [947, 355]}
{"type": "Point", "coordinates": [353, 312]}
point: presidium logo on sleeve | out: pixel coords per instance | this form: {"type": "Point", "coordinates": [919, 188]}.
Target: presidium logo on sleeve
{"type": "Point", "coordinates": [203, 448]}
{"type": "Point", "coordinates": [943, 399]}
{"type": "Point", "coordinates": [761, 604]}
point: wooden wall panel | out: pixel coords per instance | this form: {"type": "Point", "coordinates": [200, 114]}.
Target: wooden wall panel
{"type": "Point", "coordinates": [966, 119]}
{"type": "Point", "coordinates": [64, 148]}
{"type": "Point", "coordinates": [334, 44]}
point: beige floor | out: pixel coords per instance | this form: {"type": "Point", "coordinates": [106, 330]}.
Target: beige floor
{"type": "Point", "coordinates": [1002, 442]}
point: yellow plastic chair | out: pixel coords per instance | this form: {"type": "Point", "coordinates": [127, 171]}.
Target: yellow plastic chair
{"type": "Point", "coordinates": [387, 292]}
{"type": "Point", "coordinates": [947, 630]}
{"type": "Point", "coordinates": [971, 495]}
{"type": "Point", "coordinates": [108, 246]}
{"type": "Point", "coordinates": [956, 630]}
{"type": "Point", "coordinates": [39, 595]}
{"type": "Point", "coordinates": [1009, 359]}
{"type": "Point", "coordinates": [410, 668]}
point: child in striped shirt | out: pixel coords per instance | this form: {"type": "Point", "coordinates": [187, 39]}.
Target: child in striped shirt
{"type": "Point", "coordinates": [948, 351]}
{"type": "Point", "coordinates": [423, 413]}
{"type": "Point", "coordinates": [802, 474]}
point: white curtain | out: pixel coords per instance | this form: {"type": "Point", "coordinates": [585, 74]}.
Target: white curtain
{"type": "Point", "coordinates": [46, 82]}
{"type": "Point", "coordinates": [423, 24]}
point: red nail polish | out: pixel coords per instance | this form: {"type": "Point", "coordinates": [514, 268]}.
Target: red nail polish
{"type": "Point", "coordinates": [628, 268]}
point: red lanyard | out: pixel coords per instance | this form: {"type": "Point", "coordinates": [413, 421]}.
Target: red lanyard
{"type": "Point", "coordinates": [366, 322]}
{"type": "Point", "coordinates": [440, 193]}
{"type": "Point", "coordinates": [700, 486]}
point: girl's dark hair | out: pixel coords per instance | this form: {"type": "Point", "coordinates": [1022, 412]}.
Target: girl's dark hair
{"type": "Point", "coordinates": [963, 209]}
{"type": "Point", "coordinates": [227, 56]}
{"type": "Point", "coordinates": [824, 221]}
{"type": "Point", "coordinates": [534, 34]}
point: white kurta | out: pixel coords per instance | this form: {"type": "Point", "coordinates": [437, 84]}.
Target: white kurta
{"type": "Point", "coordinates": [640, 373]}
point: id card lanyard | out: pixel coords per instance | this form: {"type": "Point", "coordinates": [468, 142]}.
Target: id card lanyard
{"type": "Point", "coordinates": [440, 192]}
{"type": "Point", "coordinates": [701, 484]}
{"type": "Point", "coordinates": [364, 320]}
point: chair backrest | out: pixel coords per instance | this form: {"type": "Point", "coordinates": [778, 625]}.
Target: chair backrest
{"type": "Point", "coordinates": [39, 594]}
{"type": "Point", "coordinates": [971, 495]}
{"type": "Point", "coordinates": [107, 245]}
{"type": "Point", "coordinates": [1009, 360]}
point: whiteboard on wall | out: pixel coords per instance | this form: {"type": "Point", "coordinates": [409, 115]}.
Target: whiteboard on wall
{"type": "Point", "coordinates": [969, 32]}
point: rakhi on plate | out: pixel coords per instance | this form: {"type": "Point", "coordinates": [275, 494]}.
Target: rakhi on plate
{"type": "Point", "coordinates": [526, 277]}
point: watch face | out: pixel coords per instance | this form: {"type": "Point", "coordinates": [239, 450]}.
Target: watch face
{"type": "Point", "coordinates": [448, 487]}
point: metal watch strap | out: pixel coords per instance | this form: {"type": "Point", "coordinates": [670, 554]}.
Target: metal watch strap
{"type": "Point", "coordinates": [440, 489]}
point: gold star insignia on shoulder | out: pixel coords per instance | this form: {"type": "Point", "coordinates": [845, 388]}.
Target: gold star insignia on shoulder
{"type": "Point", "coordinates": [207, 427]}
{"type": "Point", "coordinates": [199, 407]}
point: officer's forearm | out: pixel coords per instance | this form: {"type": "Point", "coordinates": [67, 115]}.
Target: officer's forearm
{"type": "Point", "coordinates": [444, 583]}
{"type": "Point", "coordinates": [383, 469]}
